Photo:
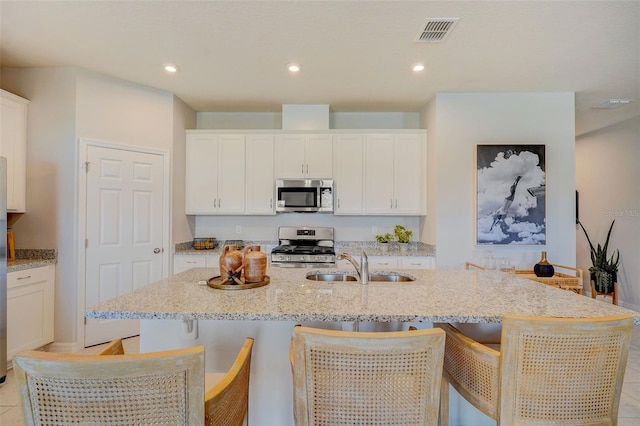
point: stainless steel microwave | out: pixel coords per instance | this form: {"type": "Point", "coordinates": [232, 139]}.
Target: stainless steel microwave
{"type": "Point", "coordinates": [304, 195]}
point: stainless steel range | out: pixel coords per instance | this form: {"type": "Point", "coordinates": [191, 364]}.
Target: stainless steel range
{"type": "Point", "coordinates": [304, 247]}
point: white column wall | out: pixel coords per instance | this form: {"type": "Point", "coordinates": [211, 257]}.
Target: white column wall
{"type": "Point", "coordinates": [464, 120]}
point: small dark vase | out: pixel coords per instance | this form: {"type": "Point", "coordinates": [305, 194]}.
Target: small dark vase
{"type": "Point", "coordinates": [543, 268]}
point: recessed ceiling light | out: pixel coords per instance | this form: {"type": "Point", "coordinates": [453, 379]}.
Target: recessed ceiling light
{"type": "Point", "coordinates": [170, 68]}
{"type": "Point", "coordinates": [294, 67]}
{"type": "Point", "coordinates": [418, 68]}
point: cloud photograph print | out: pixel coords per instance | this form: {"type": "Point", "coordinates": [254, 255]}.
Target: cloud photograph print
{"type": "Point", "coordinates": [511, 194]}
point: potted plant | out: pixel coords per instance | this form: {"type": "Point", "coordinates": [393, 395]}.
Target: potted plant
{"type": "Point", "coordinates": [403, 236]}
{"type": "Point", "coordinates": [604, 269]}
{"type": "Point", "coordinates": [384, 240]}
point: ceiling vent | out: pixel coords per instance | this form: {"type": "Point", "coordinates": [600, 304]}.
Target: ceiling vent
{"type": "Point", "coordinates": [614, 103]}
{"type": "Point", "coordinates": [436, 29]}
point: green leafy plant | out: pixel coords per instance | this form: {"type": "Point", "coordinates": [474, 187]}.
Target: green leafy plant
{"type": "Point", "coordinates": [384, 238]}
{"type": "Point", "coordinates": [402, 234]}
{"type": "Point", "coordinates": [599, 259]}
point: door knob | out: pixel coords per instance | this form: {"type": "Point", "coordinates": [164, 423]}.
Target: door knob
{"type": "Point", "coordinates": [156, 250]}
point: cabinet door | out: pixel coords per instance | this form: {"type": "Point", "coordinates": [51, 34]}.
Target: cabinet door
{"type": "Point", "coordinates": [379, 184]}
{"type": "Point", "coordinates": [231, 174]}
{"type": "Point", "coordinates": [30, 298]}
{"type": "Point", "coordinates": [201, 174]}
{"type": "Point", "coordinates": [260, 177]}
{"type": "Point", "coordinates": [13, 146]}
{"type": "Point", "coordinates": [290, 156]}
{"type": "Point", "coordinates": [319, 156]}
{"type": "Point", "coordinates": [348, 173]}
{"type": "Point", "coordinates": [409, 176]}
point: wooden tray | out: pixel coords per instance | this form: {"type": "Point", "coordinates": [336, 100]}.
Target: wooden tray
{"type": "Point", "coordinates": [216, 282]}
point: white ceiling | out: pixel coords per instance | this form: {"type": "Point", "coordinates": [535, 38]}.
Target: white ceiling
{"type": "Point", "coordinates": [356, 55]}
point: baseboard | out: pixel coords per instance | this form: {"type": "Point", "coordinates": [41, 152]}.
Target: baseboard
{"type": "Point", "coordinates": [62, 347]}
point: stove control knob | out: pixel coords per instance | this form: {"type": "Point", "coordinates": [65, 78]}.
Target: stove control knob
{"type": "Point", "coordinates": [303, 258]}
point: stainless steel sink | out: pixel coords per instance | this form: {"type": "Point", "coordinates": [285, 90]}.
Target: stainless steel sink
{"type": "Point", "coordinates": [345, 276]}
{"type": "Point", "coordinates": [330, 276]}
{"type": "Point", "coordinates": [398, 278]}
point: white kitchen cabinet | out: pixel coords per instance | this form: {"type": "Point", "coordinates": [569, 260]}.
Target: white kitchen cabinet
{"type": "Point", "coordinates": [30, 303]}
{"type": "Point", "coordinates": [184, 262]}
{"type": "Point", "coordinates": [304, 156]}
{"type": "Point", "coordinates": [382, 262]}
{"type": "Point", "coordinates": [395, 174]}
{"type": "Point", "coordinates": [215, 173]}
{"type": "Point", "coordinates": [348, 173]}
{"type": "Point", "coordinates": [13, 146]}
{"type": "Point", "coordinates": [387, 263]}
{"type": "Point", "coordinates": [260, 178]}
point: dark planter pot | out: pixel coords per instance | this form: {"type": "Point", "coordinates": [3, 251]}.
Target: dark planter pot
{"type": "Point", "coordinates": [603, 281]}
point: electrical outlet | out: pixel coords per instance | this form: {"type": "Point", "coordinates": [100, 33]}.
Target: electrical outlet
{"type": "Point", "coordinates": [374, 230]}
{"type": "Point", "coordinates": [238, 229]}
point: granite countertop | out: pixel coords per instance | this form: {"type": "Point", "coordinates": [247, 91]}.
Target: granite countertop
{"type": "Point", "coordinates": [435, 296]}
{"type": "Point", "coordinates": [352, 248]}
{"type": "Point", "coordinates": [32, 258]}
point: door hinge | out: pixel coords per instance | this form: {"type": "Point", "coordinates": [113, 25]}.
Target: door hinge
{"type": "Point", "coordinates": [86, 166]}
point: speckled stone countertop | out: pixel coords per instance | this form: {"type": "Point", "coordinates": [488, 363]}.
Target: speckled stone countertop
{"type": "Point", "coordinates": [32, 258]}
{"type": "Point", "coordinates": [435, 296]}
{"type": "Point", "coordinates": [353, 248]}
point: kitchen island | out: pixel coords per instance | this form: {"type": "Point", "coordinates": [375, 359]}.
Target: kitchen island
{"type": "Point", "coordinates": [180, 311]}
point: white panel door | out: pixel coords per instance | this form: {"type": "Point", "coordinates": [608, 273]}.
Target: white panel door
{"type": "Point", "coordinates": [348, 172]}
{"type": "Point", "coordinates": [379, 181]}
{"type": "Point", "coordinates": [124, 232]}
{"type": "Point", "coordinates": [408, 168]}
{"type": "Point", "coordinates": [260, 176]}
{"type": "Point", "coordinates": [319, 156]}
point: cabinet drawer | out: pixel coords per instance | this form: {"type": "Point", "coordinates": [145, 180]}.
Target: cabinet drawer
{"type": "Point", "coordinates": [26, 277]}
{"type": "Point", "coordinates": [382, 262]}
{"type": "Point", "coordinates": [413, 262]}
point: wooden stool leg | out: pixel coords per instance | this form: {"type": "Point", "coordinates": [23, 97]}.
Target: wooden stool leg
{"type": "Point", "coordinates": [444, 402]}
{"type": "Point", "coordinates": [615, 293]}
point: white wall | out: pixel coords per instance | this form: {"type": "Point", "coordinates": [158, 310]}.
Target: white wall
{"type": "Point", "coordinates": [49, 220]}
{"type": "Point", "coordinates": [182, 226]}
{"type": "Point", "coordinates": [464, 120]}
{"type": "Point", "coordinates": [337, 120]}
{"type": "Point", "coordinates": [607, 176]}
{"type": "Point", "coordinates": [429, 224]}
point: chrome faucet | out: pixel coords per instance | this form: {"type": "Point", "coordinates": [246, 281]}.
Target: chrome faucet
{"type": "Point", "coordinates": [362, 268]}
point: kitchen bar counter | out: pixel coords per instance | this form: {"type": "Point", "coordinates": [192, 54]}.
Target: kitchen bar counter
{"type": "Point", "coordinates": [178, 312]}
{"type": "Point", "coordinates": [436, 296]}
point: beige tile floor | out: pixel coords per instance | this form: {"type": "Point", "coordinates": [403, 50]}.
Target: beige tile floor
{"type": "Point", "coordinates": [628, 414]}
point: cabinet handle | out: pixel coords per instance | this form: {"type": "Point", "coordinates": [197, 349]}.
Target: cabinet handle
{"type": "Point", "coordinates": [271, 203]}
{"type": "Point", "coordinates": [302, 169]}
{"type": "Point", "coordinates": [338, 202]}
{"type": "Point", "coordinates": [219, 203]}
{"type": "Point", "coordinates": [396, 203]}
{"type": "Point", "coordinates": [215, 203]}
{"type": "Point", "coordinates": [24, 278]}
{"type": "Point", "coordinates": [307, 168]}
{"type": "Point", "coordinates": [391, 203]}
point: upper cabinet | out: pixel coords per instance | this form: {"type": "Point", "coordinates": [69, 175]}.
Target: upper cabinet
{"type": "Point", "coordinates": [348, 173]}
{"type": "Point", "coordinates": [304, 156]}
{"type": "Point", "coordinates": [395, 174]}
{"type": "Point", "coordinates": [215, 173]}
{"type": "Point", "coordinates": [259, 198]}
{"type": "Point", "coordinates": [13, 146]}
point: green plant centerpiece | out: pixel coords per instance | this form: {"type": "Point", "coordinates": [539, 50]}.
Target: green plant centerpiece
{"type": "Point", "coordinates": [604, 269]}
{"type": "Point", "coordinates": [384, 240]}
{"type": "Point", "coordinates": [403, 235]}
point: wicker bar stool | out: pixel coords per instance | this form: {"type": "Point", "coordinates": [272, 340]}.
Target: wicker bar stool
{"type": "Point", "coordinates": [362, 378]}
{"type": "Point", "coordinates": [559, 371]}
{"type": "Point", "coordinates": [164, 387]}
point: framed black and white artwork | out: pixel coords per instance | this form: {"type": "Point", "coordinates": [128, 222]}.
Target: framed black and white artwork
{"type": "Point", "coordinates": [510, 203]}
